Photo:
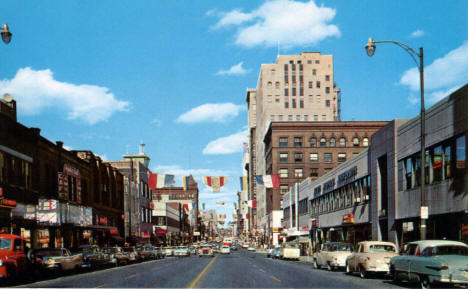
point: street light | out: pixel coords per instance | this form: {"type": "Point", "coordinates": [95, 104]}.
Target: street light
{"type": "Point", "coordinates": [370, 49]}
{"type": "Point", "coordinates": [6, 34]}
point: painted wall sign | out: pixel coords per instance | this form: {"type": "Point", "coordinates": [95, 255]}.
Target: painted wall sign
{"type": "Point", "coordinates": [347, 177]}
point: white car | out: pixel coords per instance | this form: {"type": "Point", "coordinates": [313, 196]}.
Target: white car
{"type": "Point", "coordinates": [225, 250]}
{"type": "Point", "coordinates": [251, 248]}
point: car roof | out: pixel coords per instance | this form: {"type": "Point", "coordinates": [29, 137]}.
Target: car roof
{"type": "Point", "coordinates": [368, 243]}
{"type": "Point", "coordinates": [429, 243]}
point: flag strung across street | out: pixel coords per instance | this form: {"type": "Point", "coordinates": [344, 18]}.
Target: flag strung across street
{"type": "Point", "coordinates": [158, 181]}
{"type": "Point", "coordinates": [215, 182]}
{"type": "Point", "coordinates": [243, 183]}
{"type": "Point", "coordinates": [252, 204]}
{"type": "Point", "coordinates": [220, 203]}
{"type": "Point", "coordinates": [269, 181]}
{"type": "Point", "coordinates": [187, 181]}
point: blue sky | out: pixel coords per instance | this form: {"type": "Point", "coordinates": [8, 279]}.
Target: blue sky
{"type": "Point", "coordinates": [106, 75]}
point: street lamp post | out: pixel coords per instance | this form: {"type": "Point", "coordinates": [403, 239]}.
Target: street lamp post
{"type": "Point", "coordinates": [370, 49]}
{"type": "Point", "coordinates": [6, 34]}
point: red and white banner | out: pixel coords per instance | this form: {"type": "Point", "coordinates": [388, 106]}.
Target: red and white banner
{"type": "Point", "coordinates": [252, 204]}
{"type": "Point", "coordinates": [215, 182]}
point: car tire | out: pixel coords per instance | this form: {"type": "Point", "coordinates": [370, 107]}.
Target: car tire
{"type": "Point", "coordinates": [329, 267]}
{"type": "Point", "coordinates": [424, 282]}
{"type": "Point", "coordinates": [316, 265]}
{"type": "Point", "coordinates": [362, 273]}
{"type": "Point", "coordinates": [348, 269]}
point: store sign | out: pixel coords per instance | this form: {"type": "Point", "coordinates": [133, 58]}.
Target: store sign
{"type": "Point", "coordinates": [347, 177]}
{"type": "Point", "coordinates": [4, 203]}
{"type": "Point", "coordinates": [114, 231]}
{"type": "Point", "coordinates": [317, 191]}
{"type": "Point", "coordinates": [348, 219]}
{"type": "Point", "coordinates": [103, 221]}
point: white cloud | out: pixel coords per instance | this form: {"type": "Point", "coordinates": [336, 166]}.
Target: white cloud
{"type": "Point", "coordinates": [444, 74]}
{"type": "Point", "coordinates": [234, 70]}
{"type": "Point", "coordinates": [211, 112]}
{"type": "Point", "coordinates": [285, 22]}
{"type": "Point", "coordinates": [418, 33]}
{"type": "Point", "coordinates": [227, 145]}
{"type": "Point", "coordinates": [36, 90]}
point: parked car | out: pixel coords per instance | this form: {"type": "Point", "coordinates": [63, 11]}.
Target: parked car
{"type": "Point", "coordinates": [168, 251]}
{"type": "Point", "coordinates": [131, 253]}
{"type": "Point", "coordinates": [205, 250]}
{"type": "Point", "coordinates": [13, 259]}
{"type": "Point", "coordinates": [251, 248]}
{"type": "Point", "coordinates": [371, 257]}
{"type": "Point", "coordinates": [116, 256]}
{"type": "Point", "coordinates": [145, 252]}
{"type": "Point", "coordinates": [290, 251]}
{"type": "Point", "coordinates": [276, 254]}
{"type": "Point", "coordinates": [93, 256]}
{"type": "Point", "coordinates": [270, 252]}
{"type": "Point", "coordinates": [332, 255]}
{"type": "Point", "coordinates": [159, 253]}
{"type": "Point", "coordinates": [181, 251]}
{"type": "Point", "coordinates": [432, 261]}
{"type": "Point", "coordinates": [56, 260]}
{"type": "Point", "coordinates": [225, 250]}
{"type": "Point", "coordinates": [193, 250]}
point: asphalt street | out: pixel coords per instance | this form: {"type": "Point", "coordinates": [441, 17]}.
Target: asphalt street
{"type": "Point", "coordinates": [240, 269]}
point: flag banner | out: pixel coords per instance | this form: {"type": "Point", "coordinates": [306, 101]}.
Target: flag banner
{"type": "Point", "coordinates": [186, 207]}
{"type": "Point", "coordinates": [215, 182]}
{"type": "Point", "coordinates": [252, 204]}
{"type": "Point", "coordinates": [269, 181]}
{"type": "Point", "coordinates": [220, 203]}
{"type": "Point", "coordinates": [243, 183]}
{"type": "Point", "coordinates": [158, 181]}
{"type": "Point", "coordinates": [185, 182]}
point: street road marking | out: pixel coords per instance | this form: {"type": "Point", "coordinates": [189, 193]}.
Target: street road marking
{"type": "Point", "coordinates": [276, 279]}
{"type": "Point", "coordinates": [195, 281]}
{"type": "Point", "coordinates": [133, 276]}
{"type": "Point", "coordinates": [262, 270]}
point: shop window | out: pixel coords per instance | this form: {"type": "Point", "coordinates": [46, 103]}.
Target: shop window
{"type": "Point", "coordinates": [437, 163]}
{"type": "Point", "coordinates": [460, 163]}
{"type": "Point", "coordinates": [408, 173]}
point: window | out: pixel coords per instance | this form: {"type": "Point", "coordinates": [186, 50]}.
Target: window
{"type": "Point", "coordinates": [327, 90]}
{"type": "Point", "coordinates": [437, 163]}
{"type": "Point", "coordinates": [298, 173]}
{"type": "Point", "coordinates": [284, 189]}
{"type": "Point", "coordinates": [298, 142]}
{"type": "Point", "coordinates": [317, 84]}
{"type": "Point", "coordinates": [272, 117]}
{"type": "Point", "coordinates": [283, 157]}
{"type": "Point", "coordinates": [323, 142]}
{"type": "Point", "coordinates": [277, 100]}
{"type": "Point", "coordinates": [286, 104]}
{"type": "Point", "coordinates": [269, 98]}
{"type": "Point", "coordinates": [286, 92]}
{"type": "Point", "coordinates": [280, 117]}
{"type": "Point", "coordinates": [342, 142]}
{"type": "Point", "coordinates": [365, 142]}
{"type": "Point", "coordinates": [447, 161]}
{"type": "Point", "coordinates": [327, 77]}
{"type": "Point", "coordinates": [293, 91]}
{"type": "Point", "coordinates": [314, 71]}
{"type": "Point", "coordinates": [341, 157]}
{"type": "Point", "coordinates": [310, 84]}
{"type": "Point", "coordinates": [315, 117]}
{"type": "Point", "coordinates": [324, 117]}
{"type": "Point", "coordinates": [327, 157]}
{"type": "Point", "coordinates": [314, 157]}
{"type": "Point", "coordinates": [317, 61]}
{"type": "Point", "coordinates": [306, 117]}
{"type": "Point", "coordinates": [332, 142]}
{"type": "Point", "coordinates": [290, 117]}
{"type": "Point", "coordinates": [293, 103]}
{"type": "Point", "coordinates": [283, 173]}
{"type": "Point", "coordinates": [298, 117]}
{"type": "Point", "coordinates": [313, 142]}
{"type": "Point", "coordinates": [327, 103]}
{"type": "Point", "coordinates": [298, 157]}
{"type": "Point", "coordinates": [314, 172]}
{"type": "Point", "coordinates": [408, 173]}
{"type": "Point", "coordinates": [460, 154]}
{"type": "Point", "coordinates": [269, 84]}
{"type": "Point", "coordinates": [301, 91]}
{"type": "Point", "coordinates": [283, 142]}
{"type": "Point", "coordinates": [355, 142]}
{"type": "Point", "coordinates": [277, 84]}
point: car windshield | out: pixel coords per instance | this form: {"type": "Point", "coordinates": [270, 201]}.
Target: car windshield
{"type": "Point", "coordinates": [340, 247]}
{"type": "Point", "coordinates": [291, 245]}
{"type": "Point", "coordinates": [382, 248]}
{"type": "Point", "coordinates": [5, 244]}
{"type": "Point", "coordinates": [87, 249]}
{"type": "Point", "coordinates": [450, 250]}
{"type": "Point", "coordinates": [48, 252]}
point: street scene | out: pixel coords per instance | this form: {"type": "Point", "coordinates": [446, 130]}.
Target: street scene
{"type": "Point", "coordinates": [233, 144]}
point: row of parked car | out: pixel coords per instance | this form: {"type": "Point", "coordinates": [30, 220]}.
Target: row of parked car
{"type": "Point", "coordinates": [16, 259]}
{"type": "Point", "coordinates": [426, 262]}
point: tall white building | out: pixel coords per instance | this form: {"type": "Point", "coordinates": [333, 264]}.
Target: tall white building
{"type": "Point", "coordinates": [295, 88]}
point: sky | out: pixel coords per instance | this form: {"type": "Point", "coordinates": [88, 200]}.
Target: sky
{"type": "Point", "coordinates": [107, 75]}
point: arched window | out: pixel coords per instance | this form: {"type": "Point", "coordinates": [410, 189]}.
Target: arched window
{"type": "Point", "coordinates": [269, 83]}
{"type": "Point", "coordinates": [355, 142]}
{"type": "Point", "coordinates": [332, 142]}
{"type": "Point", "coordinates": [365, 142]}
{"type": "Point", "coordinates": [277, 84]}
{"type": "Point", "coordinates": [323, 142]}
{"type": "Point", "coordinates": [342, 142]}
{"type": "Point", "coordinates": [313, 142]}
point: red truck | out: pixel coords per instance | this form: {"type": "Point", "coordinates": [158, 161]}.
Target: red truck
{"type": "Point", "coordinates": [13, 260]}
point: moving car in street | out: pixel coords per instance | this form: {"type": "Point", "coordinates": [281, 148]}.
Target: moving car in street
{"type": "Point", "coordinates": [290, 251]}
{"type": "Point", "coordinates": [56, 260]}
{"type": "Point", "coordinates": [205, 250]}
{"type": "Point", "coordinates": [276, 254]}
{"type": "Point", "coordinates": [371, 257]}
{"type": "Point", "coordinates": [332, 255]}
{"type": "Point", "coordinates": [225, 250]}
{"type": "Point", "coordinates": [432, 262]}
{"type": "Point", "coordinates": [13, 260]}
{"type": "Point", "coordinates": [93, 256]}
